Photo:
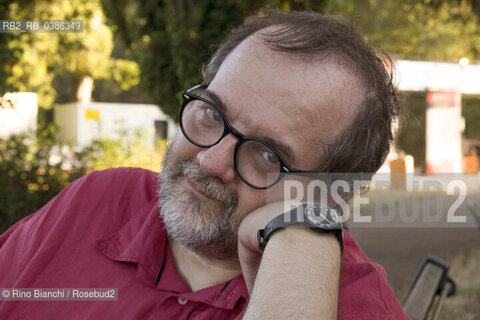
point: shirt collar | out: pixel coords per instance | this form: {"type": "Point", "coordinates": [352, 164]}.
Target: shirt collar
{"type": "Point", "coordinates": [143, 240]}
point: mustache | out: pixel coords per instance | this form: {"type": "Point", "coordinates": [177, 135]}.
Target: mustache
{"type": "Point", "coordinates": [210, 185]}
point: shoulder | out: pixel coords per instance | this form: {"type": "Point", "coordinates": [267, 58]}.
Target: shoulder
{"type": "Point", "coordinates": [117, 192]}
{"type": "Point", "coordinates": [117, 186]}
{"type": "Point", "coordinates": [364, 289]}
{"type": "Point", "coordinates": [118, 180]}
{"type": "Point", "coordinates": [98, 203]}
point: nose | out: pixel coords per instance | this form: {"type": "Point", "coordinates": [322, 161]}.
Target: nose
{"type": "Point", "coordinates": [218, 160]}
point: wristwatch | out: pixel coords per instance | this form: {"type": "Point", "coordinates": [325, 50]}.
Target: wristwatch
{"type": "Point", "coordinates": [316, 216]}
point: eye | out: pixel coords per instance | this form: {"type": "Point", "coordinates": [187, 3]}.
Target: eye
{"type": "Point", "coordinates": [214, 114]}
{"type": "Point", "coordinates": [270, 157]}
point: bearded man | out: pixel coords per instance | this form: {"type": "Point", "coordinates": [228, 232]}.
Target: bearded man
{"type": "Point", "coordinates": [285, 93]}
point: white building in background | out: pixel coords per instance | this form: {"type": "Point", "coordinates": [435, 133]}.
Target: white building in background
{"type": "Point", "coordinates": [444, 84]}
{"type": "Point", "coordinates": [81, 123]}
{"type": "Point", "coordinates": [438, 76]}
{"type": "Point", "coordinates": [18, 113]}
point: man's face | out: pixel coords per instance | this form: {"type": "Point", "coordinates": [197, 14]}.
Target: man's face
{"type": "Point", "coordinates": [298, 103]}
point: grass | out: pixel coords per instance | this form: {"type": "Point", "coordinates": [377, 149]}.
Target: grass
{"type": "Point", "coordinates": [465, 304]}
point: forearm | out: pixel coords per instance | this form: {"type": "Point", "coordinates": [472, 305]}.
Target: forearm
{"type": "Point", "coordinates": [297, 278]}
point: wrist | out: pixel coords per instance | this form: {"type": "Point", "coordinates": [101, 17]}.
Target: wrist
{"type": "Point", "coordinates": [304, 241]}
{"type": "Point", "coordinates": [316, 217]}
{"type": "Point", "coordinates": [300, 260]}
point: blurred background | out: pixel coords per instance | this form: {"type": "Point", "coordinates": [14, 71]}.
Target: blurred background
{"type": "Point", "coordinates": [109, 96]}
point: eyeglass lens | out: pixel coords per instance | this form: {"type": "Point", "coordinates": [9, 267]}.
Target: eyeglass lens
{"type": "Point", "coordinates": [256, 163]}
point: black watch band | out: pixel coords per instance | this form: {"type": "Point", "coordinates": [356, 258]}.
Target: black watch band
{"type": "Point", "coordinates": [301, 216]}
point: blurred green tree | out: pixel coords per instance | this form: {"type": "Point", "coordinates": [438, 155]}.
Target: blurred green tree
{"type": "Point", "coordinates": [172, 39]}
{"type": "Point", "coordinates": [31, 170]}
{"type": "Point", "coordinates": [30, 61]}
{"type": "Point", "coordinates": [28, 177]}
{"type": "Point", "coordinates": [434, 30]}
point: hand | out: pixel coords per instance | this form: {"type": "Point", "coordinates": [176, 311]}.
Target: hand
{"type": "Point", "coordinates": [249, 253]}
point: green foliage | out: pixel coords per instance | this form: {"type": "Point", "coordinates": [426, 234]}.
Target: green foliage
{"type": "Point", "coordinates": [412, 136]}
{"type": "Point", "coordinates": [418, 30]}
{"type": "Point", "coordinates": [123, 152]}
{"type": "Point", "coordinates": [171, 41]}
{"type": "Point", "coordinates": [471, 113]}
{"type": "Point", "coordinates": [126, 73]}
{"type": "Point", "coordinates": [30, 61]}
{"type": "Point", "coordinates": [28, 179]}
{"type": "Point", "coordinates": [185, 40]}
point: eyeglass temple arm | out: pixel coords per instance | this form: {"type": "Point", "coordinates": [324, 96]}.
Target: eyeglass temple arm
{"type": "Point", "coordinates": [194, 88]}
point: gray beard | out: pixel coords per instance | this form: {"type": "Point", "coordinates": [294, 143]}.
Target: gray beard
{"type": "Point", "coordinates": [205, 227]}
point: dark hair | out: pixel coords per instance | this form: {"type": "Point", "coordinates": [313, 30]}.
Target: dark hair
{"type": "Point", "coordinates": [364, 144]}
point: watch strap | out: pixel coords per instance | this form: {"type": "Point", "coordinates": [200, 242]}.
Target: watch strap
{"type": "Point", "coordinates": [291, 218]}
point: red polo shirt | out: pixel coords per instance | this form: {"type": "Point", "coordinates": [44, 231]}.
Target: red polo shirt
{"type": "Point", "coordinates": [104, 231]}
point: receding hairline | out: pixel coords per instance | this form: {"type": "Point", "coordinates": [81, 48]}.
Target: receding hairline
{"type": "Point", "coordinates": [266, 36]}
{"type": "Point", "coordinates": [363, 147]}
{"type": "Point", "coordinates": [329, 61]}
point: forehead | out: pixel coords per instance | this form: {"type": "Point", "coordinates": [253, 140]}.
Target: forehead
{"type": "Point", "coordinates": [303, 103]}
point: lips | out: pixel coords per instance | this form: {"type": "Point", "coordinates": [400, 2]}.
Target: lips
{"type": "Point", "coordinates": [195, 186]}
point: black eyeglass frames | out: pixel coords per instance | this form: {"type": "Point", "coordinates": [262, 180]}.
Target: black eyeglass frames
{"type": "Point", "coordinates": [204, 125]}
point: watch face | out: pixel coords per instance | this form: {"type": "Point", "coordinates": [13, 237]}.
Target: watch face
{"type": "Point", "coordinates": [321, 216]}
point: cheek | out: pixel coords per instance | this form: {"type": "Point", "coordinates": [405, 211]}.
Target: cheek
{"type": "Point", "coordinates": [181, 149]}
{"type": "Point", "coordinates": [250, 199]}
